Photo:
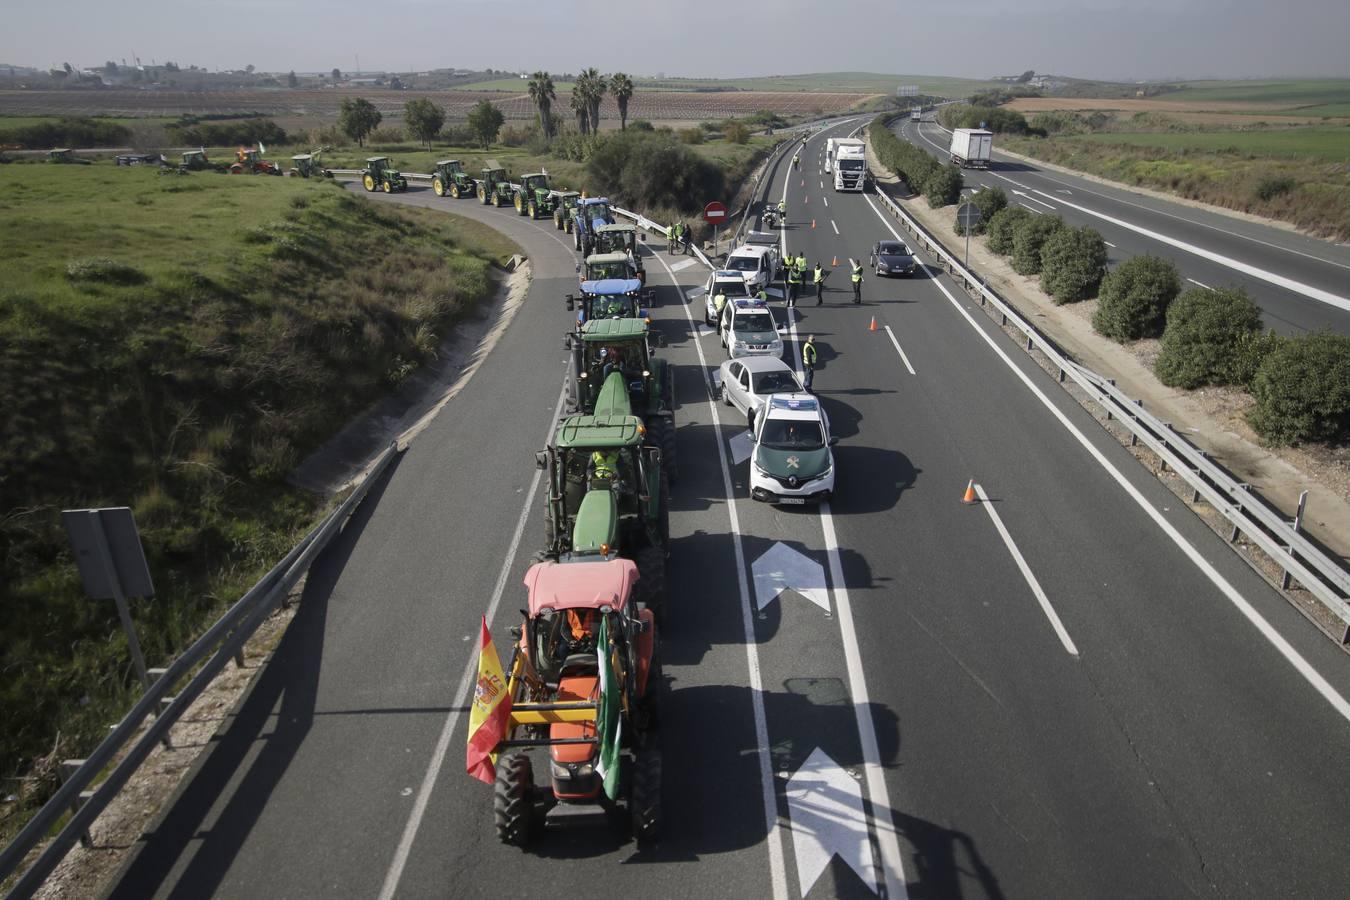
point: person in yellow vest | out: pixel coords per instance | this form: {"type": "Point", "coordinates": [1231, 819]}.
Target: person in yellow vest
{"type": "Point", "coordinates": [856, 278]}
{"type": "Point", "coordinates": [720, 306]}
{"type": "Point", "coordinates": [809, 361]}
{"type": "Point", "coordinates": [818, 279]}
{"type": "Point", "coordinates": [794, 279]}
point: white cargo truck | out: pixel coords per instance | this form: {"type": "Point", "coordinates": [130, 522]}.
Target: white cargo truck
{"type": "Point", "coordinates": [972, 147]}
{"type": "Point", "coordinates": [847, 160]}
{"type": "Point", "coordinates": [916, 113]}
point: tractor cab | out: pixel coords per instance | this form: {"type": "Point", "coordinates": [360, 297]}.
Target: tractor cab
{"type": "Point", "coordinates": [611, 298]}
{"type": "Point", "coordinates": [450, 178]}
{"type": "Point", "coordinates": [251, 162]}
{"type": "Point", "coordinates": [605, 345]}
{"type": "Point", "coordinates": [597, 211]}
{"type": "Point", "coordinates": [564, 209]}
{"type": "Point", "coordinates": [65, 156]}
{"type": "Point", "coordinates": [307, 165]}
{"type": "Point", "coordinates": [535, 197]}
{"type": "Point", "coordinates": [622, 238]}
{"type": "Point", "coordinates": [195, 161]}
{"type": "Point", "coordinates": [495, 187]}
{"type": "Point", "coordinates": [600, 266]}
{"type": "Point", "coordinates": [537, 182]}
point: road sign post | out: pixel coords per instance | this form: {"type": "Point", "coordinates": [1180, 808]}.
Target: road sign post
{"type": "Point", "coordinates": [715, 214]}
{"type": "Point", "coordinates": [968, 216]}
{"type": "Point", "coordinates": [112, 565]}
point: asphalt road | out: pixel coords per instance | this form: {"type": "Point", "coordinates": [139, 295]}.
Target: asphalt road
{"type": "Point", "coordinates": [908, 704]}
{"type": "Point", "coordinates": [1301, 283]}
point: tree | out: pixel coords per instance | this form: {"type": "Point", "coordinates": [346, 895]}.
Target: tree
{"type": "Point", "coordinates": [485, 120]}
{"type": "Point", "coordinates": [578, 103]}
{"type": "Point", "coordinates": [424, 119]}
{"type": "Point", "coordinates": [396, 83]}
{"type": "Point", "coordinates": [357, 118]}
{"type": "Point", "coordinates": [591, 85]}
{"type": "Point", "coordinates": [1302, 390]}
{"type": "Point", "coordinates": [337, 75]}
{"type": "Point", "coordinates": [1026, 76]}
{"type": "Point", "coordinates": [1134, 298]}
{"type": "Point", "coordinates": [110, 68]}
{"type": "Point", "coordinates": [621, 86]}
{"type": "Point", "coordinates": [1073, 262]}
{"type": "Point", "coordinates": [542, 94]}
{"type": "Point", "coordinates": [736, 133]}
{"type": "Point", "coordinates": [291, 80]}
{"type": "Point", "coordinates": [1207, 334]}
{"type": "Point", "coordinates": [249, 68]}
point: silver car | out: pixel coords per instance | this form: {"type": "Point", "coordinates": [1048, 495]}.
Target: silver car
{"type": "Point", "coordinates": [748, 381]}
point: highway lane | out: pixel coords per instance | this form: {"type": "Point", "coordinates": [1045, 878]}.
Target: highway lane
{"type": "Point", "coordinates": [1135, 224]}
{"type": "Point", "coordinates": [1021, 769]}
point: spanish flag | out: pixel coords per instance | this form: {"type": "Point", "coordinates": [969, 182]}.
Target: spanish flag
{"type": "Point", "coordinates": [489, 713]}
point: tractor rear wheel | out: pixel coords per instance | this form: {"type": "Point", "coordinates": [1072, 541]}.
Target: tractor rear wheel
{"type": "Point", "coordinates": [662, 431]}
{"type": "Point", "coordinates": [236, 169]}
{"type": "Point", "coordinates": [567, 225]}
{"type": "Point", "coordinates": [576, 238]}
{"type": "Point", "coordinates": [644, 798]}
{"type": "Point", "coordinates": [520, 204]}
{"type": "Point", "coordinates": [438, 186]}
{"type": "Point", "coordinates": [650, 590]}
{"type": "Point", "coordinates": [368, 182]}
{"type": "Point", "coordinates": [513, 799]}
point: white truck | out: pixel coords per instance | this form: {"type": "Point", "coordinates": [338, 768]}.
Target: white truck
{"type": "Point", "coordinates": [916, 113]}
{"type": "Point", "coordinates": [972, 147]}
{"type": "Point", "coordinates": [846, 158]}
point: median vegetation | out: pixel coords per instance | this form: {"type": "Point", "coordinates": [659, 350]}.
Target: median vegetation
{"type": "Point", "coordinates": [177, 345]}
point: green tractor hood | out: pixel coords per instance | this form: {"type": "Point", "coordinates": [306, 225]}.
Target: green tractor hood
{"type": "Point", "coordinates": [596, 523]}
{"type": "Point", "coordinates": [613, 397]}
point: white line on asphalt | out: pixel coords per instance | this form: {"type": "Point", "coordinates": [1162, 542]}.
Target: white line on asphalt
{"type": "Point", "coordinates": [466, 682]}
{"type": "Point", "coordinates": [900, 351]}
{"type": "Point", "coordinates": [1041, 202]}
{"type": "Point", "coordinates": [1276, 640]}
{"type": "Point", "coordinates": [683, 264]}
{"type": "Point", "coordinates": [1109, 244]}
{"type": "Point", "coordinates": [834, 226]}
{"type": "Point", "coordinates": [822, 185]}
{"type": "Point", "coordinates": [1031, 208]}
{"type": "Point", "coordinates": [1198, 284]}
{"type": "Point", "coordinates": [882, 819]}
{"type": "Point", "coordinates": [777, 871]}
{"type": "Point", "coordinates": [1298, 287]}
{"type": "Point", "coordinates": [1035, 585]}
{"type": "Point", "coordinates": [825, 200]}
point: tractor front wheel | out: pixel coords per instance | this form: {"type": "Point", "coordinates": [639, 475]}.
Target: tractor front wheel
{"type": "Point", "coordinates": [438, 187]}
{"type": "Point", "coordinates": [236, 169]}
{"type": "Point", "coordinates": [482, 195]}
{"type": "Point", "coordinates": [520, 204]}
{"type": "Point", "coordinates": [368, 182]}
{"type": "Point", "coordinates": [387, 186]}
{"type": "Point", "coordinates": [534, 210]}
{"type": "Point", "coordinates": [513, 799]}
{"type": "Point", "coordinates": [644, 798]}
{"type": "Point", "coordinates": [454, 191]}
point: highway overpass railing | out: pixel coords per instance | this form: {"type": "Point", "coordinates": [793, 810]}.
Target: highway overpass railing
{"type": "Point", "coordinates": [208, 655]}
{"type": "Point", "coordinates": [1248, 514]}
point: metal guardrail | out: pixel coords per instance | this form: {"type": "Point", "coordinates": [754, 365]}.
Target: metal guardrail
{"type": "Point", "coordinates": [227, 638]}
{"type": "Point", "coordinates": [1277, 537]}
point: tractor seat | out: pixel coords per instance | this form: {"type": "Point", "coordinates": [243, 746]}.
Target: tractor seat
{"type": "Point", "coordinates": [579, 664]}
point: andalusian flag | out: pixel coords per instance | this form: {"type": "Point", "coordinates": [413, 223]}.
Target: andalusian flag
{"type": "Point", "coordinates": [609, 722]}
{"type": "Point", "coordinates": [489, 713]}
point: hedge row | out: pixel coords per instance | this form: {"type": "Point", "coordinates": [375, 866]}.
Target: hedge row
{"type": "Point", "coordinates": [939, 183]}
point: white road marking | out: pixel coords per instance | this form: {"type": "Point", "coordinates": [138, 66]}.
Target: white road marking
{"type": "Point", "coordinates": [825, 200]}
{"type": "Point", "coordinates": [683, 264]}
{"type": "Point", "coordinates": [1198, 284]}
{"type": "Point", "coordinates": [898, 349]}
{"type": "Point", "coordinates": [777, 868]}
{"type": "Point", "coordinates": [781, 568]}
{"type": "Point", "coordinates": [742, 445]}
{"type": "Point", "coordinates": [835, 227]}
{"type": "Point", "coordinates": [693, 292]}
{"type": "Point", "coordinates": [1298, 287]}
{"type": "Point", "coordinates": [466, 682]}
{"type": "Point", "coordinates": [1030, 208]}
{"type": "Point", "coordinates": [822, 185]}
{"type": "Point", "coordinates": [1243, 606]}
{"type": "Point", "coordinates": [826, 808]}
{"type": "Point", "coordinates": [1033, 199]}
{"type": "Point", "coordinates": [1032, 583]}
{"type": "Point", "coordinates": [1109, 244]}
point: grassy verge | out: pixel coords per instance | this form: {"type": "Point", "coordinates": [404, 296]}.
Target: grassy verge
{"type": "Point", "coordinates": [1295, 175]}
{"type": "Point", "coordinates": [177, 344]}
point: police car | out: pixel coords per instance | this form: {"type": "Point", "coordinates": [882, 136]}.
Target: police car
{"type": "Point", "coordinates": [751, 330]}
{"type": "Point", "coordinates": [792, 463]}
{"type": "Point", "coordinates": [723, 281]}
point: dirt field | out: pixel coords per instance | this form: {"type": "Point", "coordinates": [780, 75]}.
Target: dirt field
{"type": "Point", "coordinates": [1217, 113]}
{"type": "Point", "coordinates": [323, 104]}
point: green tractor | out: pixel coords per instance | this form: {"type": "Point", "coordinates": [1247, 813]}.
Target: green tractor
{"type": "Point", "coordinates": [622, 238]}
{"type": "Point", "coordinates": [307, 165]}
{"type": "Point", "coordinates": [495, 188]}
{"type": "Point", "coordinates": [535, 198]}
{"type": "Point", "coordinates": [450, 178]}
{"type": "Point", "coordinates": [380, 174]}
{"type": "Point", "coordinates": [195, 161]}
{"type": "Point", "coordinates": [564, 209]}
{"type": "Point", "coordinates": [600, 266]}
{"type": "Point", "coordinates": [602, 347]}
{"type": "Point", "coordinates": [608, 493]}
{"type": "Point", "coordinates": [67, 157]}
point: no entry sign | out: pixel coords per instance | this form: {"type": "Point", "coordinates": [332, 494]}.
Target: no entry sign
{"type": "Point", "coordinates": [715, 213]}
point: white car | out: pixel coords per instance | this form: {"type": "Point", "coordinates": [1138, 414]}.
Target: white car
{"type": "Point", "coordinates": [751, 330]}
{"type": "Point", "coordinates": [729, 282]}
{"type": "Point", "coordinates": [746, 383]}
{"type": "Point", "coordinates": [792, 463]}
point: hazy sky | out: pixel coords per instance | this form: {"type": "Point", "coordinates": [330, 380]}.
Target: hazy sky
{"type": "Point", "coordinates": [976, 38]}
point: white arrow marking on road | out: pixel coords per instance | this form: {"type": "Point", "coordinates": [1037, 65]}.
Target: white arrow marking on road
{"type": "Point", "coordinates": [825, 805]}
{"type": "Point", "coordinates": [693, 292]}
{"type": "Point", "coordinates": [783, 569]}
{"type": "Point", "coordinates": [1064, 191]}
{"type": "Point", "coordinates": [1032, 199]}
{"type": "Point", "coordinates": [716, 377]}
{"type": "Point", "coordinates": [742, 445]}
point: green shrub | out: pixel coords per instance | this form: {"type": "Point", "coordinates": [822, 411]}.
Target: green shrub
{"type": "Point", "coordinates": [248, 132]}
{"type": "Point", "coordinates": [943, 187]}
{"type": "Point", "coordinates": [1205, 338]}
{"type": "Point", "coordinates": [691, 135]}
{"type": "Point", "coordinates": [1134, 298]}
{"type": "Point", "coordinates": [1302, 390]}
{"type": "Point", "coordinates": [1028, 239]}
{"type": "Point", "coordinates": [994, 118]}
{"type": "Point", "coordinates": [653, 170]}
{"type": "Point", "coordinates": [1268, 189]}
{"type": "Point", "coordinates": [907, 161]}
{"type": "Point", "coordinates": [1073, 262]}
{"type": "Point", "coordinates": [736, 133]}
{"type": "Point", "coordinates": [1002, 225]}
{"type": "Point", "coordinates": [75, 131]}
{"type": "Point", "coordinates": [989, 202]}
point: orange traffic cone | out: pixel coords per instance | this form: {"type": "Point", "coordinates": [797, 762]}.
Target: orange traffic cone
{"type": "Point", "coordinates": [970, 493]}
{"type": "Point", "coordinates": [873, 326]}
{"type": "Point", "coordinates": [835, 262]}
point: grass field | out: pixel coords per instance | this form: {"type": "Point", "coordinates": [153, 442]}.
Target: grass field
{"type": "Point", "coordinates": [1324, 144]}
{"type": "Point", "coordinates": [1292, 95]}
{"type": "Point", "coordinates": [177, 344]}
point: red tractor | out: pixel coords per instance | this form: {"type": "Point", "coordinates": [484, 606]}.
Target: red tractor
{"type": "Point", "coordinates": [251, 162]}
{"type": "Point", "coordinates": [583, 681]}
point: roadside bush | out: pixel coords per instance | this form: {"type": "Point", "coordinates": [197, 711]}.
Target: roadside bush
{"type": "Point", "coordinates": [651, 170]}
{"type": "Point", "coordinates": [640, 125]}
{"type": "Point", "coordinates": [691, 135]}
{"type": "Point", "coordinates": [907, 161]}
{"type": "Point", "coordinates": [77, 131]}
{"type": "Point", "coordinates": [1134, 298]}
{"type": "Point", "coordinates": [1073, 262]}
{"type": "Point", "coordinates": [989, 202]}
{"type": "Point", "coordinates": [1268, 189]}
{"type": "Point", "coordinates": [1028, 239]}
{"type": "Point", "coordinates": [994, 118]}
{"type": "Point", "coordinates": [737, 133]}
{"type": "Point", "coordinates": [1302, 390]}
{"type": "Point", "coordinates": [1002, 225]}
{"type": "Point", "coordinates": [1205, 338]}
{"type": "Point", "coordinates": [227, 134]}
{"type": "Point", "coordinates": [106, 271]}
{"type": "Point", "coordinates": [943, 187]}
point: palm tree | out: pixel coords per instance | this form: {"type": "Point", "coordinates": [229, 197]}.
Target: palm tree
{"type": "Point", "coordinates": [579, 105]}
{"type": "Point", "coordinates": [543, 95]}
{"type": "Point", "coordinates": [595, 91]}
{"type": "Point", "coordinates": [621, 86]}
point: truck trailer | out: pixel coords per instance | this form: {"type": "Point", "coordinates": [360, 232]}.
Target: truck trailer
{"type": "Point", "coordinates": [847, 160]}
{"type": "Point", "coordinates": [972, 147]}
